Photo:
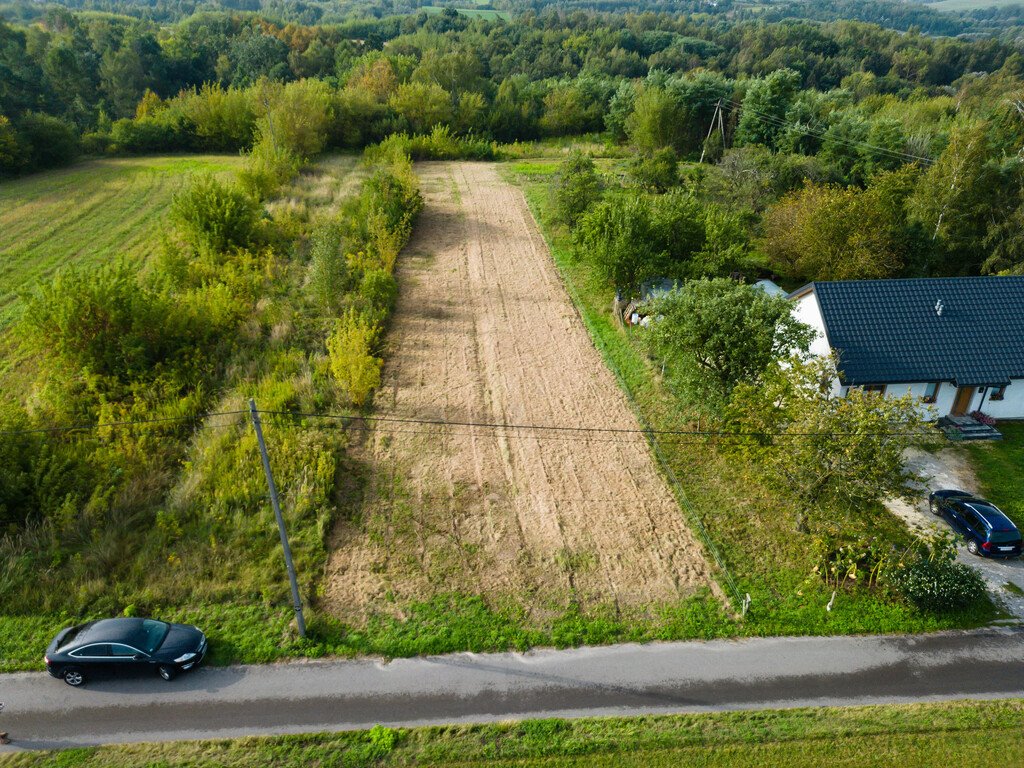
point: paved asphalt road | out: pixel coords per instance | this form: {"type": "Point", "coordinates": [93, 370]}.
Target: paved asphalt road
{"type": "Point", "coordinates": [615, 680]}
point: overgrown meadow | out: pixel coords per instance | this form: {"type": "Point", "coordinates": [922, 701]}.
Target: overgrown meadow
{"type": "Point", "coordinates": [254, 293]}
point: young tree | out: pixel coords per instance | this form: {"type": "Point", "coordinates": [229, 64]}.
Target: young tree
{"type": "Point", "coordinates": [828, 452]}
{"type": "Point", "coordinates": [718, 334]}
{"type": "Point", "coordinates": [619, 237]}
{"type": "Point", "coordinates": [656, 121]}
{"type": "Point", "coordinates": [955, 196]}
{"type": "Point", "coordinates": [577, 187]}
{"type": "Point", "coordinates": [763, 115]}
{"type": "Point", "coordinates": [350, 349]}
{"type": "Point", "coordinates": [657, 171]}
{"type": "Point", "coordinates": [215, 216]}
{"type": "Point", "coordinates": [825, 232]}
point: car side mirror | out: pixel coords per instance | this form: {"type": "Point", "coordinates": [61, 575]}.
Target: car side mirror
{"type": "Point", "coordinates": [139, 657]}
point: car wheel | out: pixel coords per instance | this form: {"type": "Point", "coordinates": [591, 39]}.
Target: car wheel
{"type": "Point", "coordinates": [74, 677]}
{"type": "Point", "coordinates": [935, 507]}
{"type": "Point", "coordinates": [972, 547]}
{"type": "Point", "coordinates": [166, 672]}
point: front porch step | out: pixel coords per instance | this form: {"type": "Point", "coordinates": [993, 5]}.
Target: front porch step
{"type": "Point", "coordinates": [966, 428]}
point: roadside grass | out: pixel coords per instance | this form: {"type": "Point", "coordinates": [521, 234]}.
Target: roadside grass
{"type": "Point", "coordinates": [999, 465]}
{"type": "Point", "coordinates": [749, 524]}
{"type": "Point", "coordinates": [982, 733]}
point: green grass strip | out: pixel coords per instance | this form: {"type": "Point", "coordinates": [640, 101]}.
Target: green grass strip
{"type": "Point", "coordinates": [976, 733]}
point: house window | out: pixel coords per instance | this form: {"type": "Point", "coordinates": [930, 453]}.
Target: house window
{"type": "Point", "coordinates": [931, 392]}
{"type": "Point", "coordinates": [998, 393]}
{"type": "Point", "coordinates": [875, 389]}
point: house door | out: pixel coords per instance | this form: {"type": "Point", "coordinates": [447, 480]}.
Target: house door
{"type": "Point", "coordinates": [962, 401]}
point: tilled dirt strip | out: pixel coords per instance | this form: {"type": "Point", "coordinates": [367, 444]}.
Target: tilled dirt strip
{"type": "Point", "coordinates": [484, 332]}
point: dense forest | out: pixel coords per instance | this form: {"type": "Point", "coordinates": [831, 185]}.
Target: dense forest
{"type": "Point", "coordinates": [818, 127]}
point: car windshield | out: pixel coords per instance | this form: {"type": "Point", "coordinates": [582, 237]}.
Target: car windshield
{"type": "Point", "coordinates": [150, 635]}
{"type": "Point", "coordinates": [71, 635]}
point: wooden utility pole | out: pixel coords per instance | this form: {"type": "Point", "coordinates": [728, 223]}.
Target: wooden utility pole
{"type": "Point", "coordinates": [296, 600]}
{"type": "Point", "coordinates": [715, 118]}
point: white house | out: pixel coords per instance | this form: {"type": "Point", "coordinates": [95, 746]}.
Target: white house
{"type": "Point", "coordinates": [955, 342]}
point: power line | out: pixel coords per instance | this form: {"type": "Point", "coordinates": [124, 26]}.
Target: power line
{"type": "Point", "coordinates": [115, 424]}
{"type": "Point", "coordinates": [781, 123]}
{"type": "Point", "coordinates": [444, 427]}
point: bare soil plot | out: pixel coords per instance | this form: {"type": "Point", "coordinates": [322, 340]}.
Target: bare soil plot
{"type": "Point", "coordinates": [485, 332]}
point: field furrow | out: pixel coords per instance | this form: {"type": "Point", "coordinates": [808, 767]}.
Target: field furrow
{"type": "Point", "coordinates": [485, 333]}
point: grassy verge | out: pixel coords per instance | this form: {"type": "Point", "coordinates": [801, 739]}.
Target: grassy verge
{"type": "Point", "coordinates": [1000, 468]}
{"type": "Point", "coordinates": [975, 733]}
{"type": "Point", "coordinates": [749, 524]}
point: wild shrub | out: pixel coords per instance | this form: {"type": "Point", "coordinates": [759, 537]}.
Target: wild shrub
{"type": "Point", "coordinates": [221, 119]}
{"type": "Point", "coordinates": [439, 144]}
{"type": "Point", "coordinates": [269, 168]}
{"type": "Point", "coordinates": [938, 584]}
{"type": "Point", "coordinates": [212, 215]}
{"type": "Point", "coordinates": [577, 187]}
{"type": "Point", "coordinates": [327, 274]}
{"type": "Point", "coordinates": [656, 171]}
{"type": "Point", "coordinates": [350, 349]}
{"type": "Point", "coordinates": [48, 141]}
{"type": "Point", "coordinates": [105, 323]}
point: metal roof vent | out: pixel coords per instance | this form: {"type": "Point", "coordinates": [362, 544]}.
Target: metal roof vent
{"type": "Point", "coordinates": [939, 307]}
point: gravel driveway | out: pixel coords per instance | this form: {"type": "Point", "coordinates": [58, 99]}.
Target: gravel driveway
{"type": "Point", "coordinates": [950, 468]}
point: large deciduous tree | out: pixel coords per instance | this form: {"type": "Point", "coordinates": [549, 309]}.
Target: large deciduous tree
{"type": "Point", "coordinates": [825, 232]}
{"type": "Point", "coordinates": [831, 454]}
{"type": "Point", "coordinates": [717, 334]}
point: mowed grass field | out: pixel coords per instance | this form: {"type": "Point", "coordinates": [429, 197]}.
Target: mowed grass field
{"type": "Point", "coordinates": [94, 212]}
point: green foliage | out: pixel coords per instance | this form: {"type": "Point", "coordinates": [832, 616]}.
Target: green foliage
{"type": "Point", "coordinates": [934, 581]}
{"type": "Point", "coordinates": [268, 169]}
{"type": "Point", "coordinates": [107, 324]}
{"type": "Point", "coordinates": [656, 121]}
{"type": "Point", "coordinates": [328, 274]}
{"type": "Point", "coordinates": [439, 144]}
{"type": "Point", "coordinates": [350, 347]}
{"type": "Point", "coordinates": [657, 171]}
{"type": "Point", "coordinates": [834, 233]}
{"type": "Point", "coordinates": [295, 117]}
{"type": "Point", "coordinates": [215, 216]}
{"type": "Point", "coordinates": [721, 333]}
{"type": "Point", "coordinates": [849, 453]}
{"type": "Point", "coordinates": [631, 238]}
{"type": "Point", "coordinates": [47, 140]}
{"type": "Point", "coordinates": [764, 108]}
{"type": "Point", "coordinates": [19, 449]}
{"type": "Point", "coordinates": [577, 187]}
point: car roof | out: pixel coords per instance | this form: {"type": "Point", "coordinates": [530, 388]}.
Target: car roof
{"type": "Point", "coordinates": [990, 513]}
{"type": "Point", "coordinates": [121, 630]}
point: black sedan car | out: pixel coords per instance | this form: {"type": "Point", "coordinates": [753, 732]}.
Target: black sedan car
{"type": "Point", "coordinates": [986, 529]}
{"type": "Point", "coordinates": [106, 647]}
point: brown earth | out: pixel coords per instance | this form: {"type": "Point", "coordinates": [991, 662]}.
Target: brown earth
{"type": "Point", "coordinates": [485, 332]}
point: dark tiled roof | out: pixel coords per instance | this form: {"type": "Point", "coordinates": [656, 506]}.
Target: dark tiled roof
{"type": "Point", "coordinates": [888, 331]}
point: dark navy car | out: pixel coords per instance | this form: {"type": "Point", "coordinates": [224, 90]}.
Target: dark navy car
{"type": "Point", "coordinates": [986, 529]}
{"type": "Point", "coordinates": [109, 646]}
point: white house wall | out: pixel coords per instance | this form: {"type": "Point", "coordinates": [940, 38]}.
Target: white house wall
{"type": "Point", "coordinates": [1012, 404]}
{"type": "Point", "coordinates": [808, 311]}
